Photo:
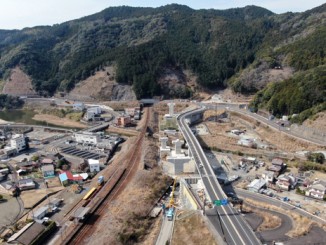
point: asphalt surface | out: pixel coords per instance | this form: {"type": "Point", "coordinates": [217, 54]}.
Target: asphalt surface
{"type": "Point", "coordinates": [263, 198]}
{"type": "Point", "coordinates": [234, 228]}
{"type": "Point", "coordinates": [277, 234]}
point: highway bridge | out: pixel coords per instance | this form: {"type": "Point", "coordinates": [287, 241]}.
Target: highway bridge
{"type": "Point", "coordinates": [224, 218]}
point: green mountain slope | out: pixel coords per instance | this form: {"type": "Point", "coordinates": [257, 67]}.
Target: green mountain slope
{"type": "Point", "coordinates": [220, 46]}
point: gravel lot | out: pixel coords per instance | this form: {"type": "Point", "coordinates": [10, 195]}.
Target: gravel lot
{"type": "Point", "coordinates": [8, 210]}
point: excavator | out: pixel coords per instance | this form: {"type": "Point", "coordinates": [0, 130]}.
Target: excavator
{"type": "Point", "coordinates": [171, 210]}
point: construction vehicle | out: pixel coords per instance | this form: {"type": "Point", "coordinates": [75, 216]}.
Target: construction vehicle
{"type": "Point", "coordinates": [171, 208]}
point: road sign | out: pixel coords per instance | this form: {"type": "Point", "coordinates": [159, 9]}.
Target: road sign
{"type": "Point", "coordinates": [221, 202]}
{"type": "Point", "coordinates": [224, 202]}
{"type": "Point", "coordinates": [217, 202]}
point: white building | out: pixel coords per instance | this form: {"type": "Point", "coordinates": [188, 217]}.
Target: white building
{"type": "Point", "coordinates": [94, 165]}
{"type": "Point", "coordinates": [18, 142]}
{"type": "Point", "coordinates": [256, 185]}
{"type": "Point", "coordinates": [92, 112]}
{"type": "Point", "coordinates": [96, 109]}
{"type": "Point", "coordinates": [78, 106]}
{"type": "Point", "coordinates": [87, 137]}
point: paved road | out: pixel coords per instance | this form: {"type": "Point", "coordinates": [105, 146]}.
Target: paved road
{"type": "Point", "coordinates": [235, 229]}
{"type": "Point", "coordinates": [273, 124]}
{"type": "Point", "coordinates": [166, 231]}
{"type": "Point", "coordinates": [263, 198]}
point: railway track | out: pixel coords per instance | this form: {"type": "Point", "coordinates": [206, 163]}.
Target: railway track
{"type": "Point", "coordinates": [131, 159]}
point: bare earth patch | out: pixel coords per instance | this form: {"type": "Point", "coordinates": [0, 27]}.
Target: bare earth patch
{"type": "Point", "coordinates": [18, 84]}
{"type": "Point", "coordinates": [58, 121]}
{"type": "Point", "coordinates": [192, 231]}
{"type": "Point", "coordinates": [318, 122]}
{"type": "Point", "coordinates": [102, 86]}
{"type": "Point", "coordinates": [269, 221]}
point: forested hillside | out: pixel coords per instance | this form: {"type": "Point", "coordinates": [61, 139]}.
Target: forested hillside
{"type": "Point", "coordinates": [222, 47]}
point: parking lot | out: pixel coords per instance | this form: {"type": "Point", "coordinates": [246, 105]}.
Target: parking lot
{"type": "Point", "coordinates": [72, 150]}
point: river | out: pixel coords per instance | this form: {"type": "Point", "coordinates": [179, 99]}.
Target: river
{"type": "Point", "coordinates": [24, 116]}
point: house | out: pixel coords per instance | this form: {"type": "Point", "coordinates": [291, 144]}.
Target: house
{"type": "Point", "coordinates": [268, 176]}
{"type": "Point", "coordinates": [276, 169]}
{"type": "Point", "coordinates": [78, 106]}
{"type": "Point", "coordinates": [130, 111]}
{"type": "Point", "coordinates": [26, 184]}
{"type": "Point", "coordinates": [46, 161]}
{"type": "Point", "coordinates": [48, 170]}
{"type": "Point", "coordinates": [123, 121]}
{"type": "Point", "coordinates": [286, 182]}
{"type": "Point", "coordinates": [18, 142]}
{"type": "Point", "coordinates": [28, 166]}
{"type": "Point", "coordinates": [249, 160]}
{"type": "Point", "coordinates": [27, 234]}
{"type": "Point", "coordinates": [256, 185]}
{"type": "Point", "coordinates": [279, 162]}
{"type": "Point", "coordinates": [278, 166]}
{"type": "Point", "coordinates": [67, 177]}
{"type": "Point", "coordinates": [94, 165]}
{"type": "Point", "coordinates": [317, 189]}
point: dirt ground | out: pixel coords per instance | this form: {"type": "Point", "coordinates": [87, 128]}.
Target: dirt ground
{"type": "Point", "coordinates": [31, 197]}
{"type": "Point", "coordinates": [279, 142]}
{"type": "Point", "coordinates": [184, 232]}
{"type": "Point", "coordinates": [101, 86]}
{"type": "Point", "coordinates": [58, 121]}
{"type": "Point", "coordinates": [18, 84]}
{"type": "Point", "coordinates": [318, 122]}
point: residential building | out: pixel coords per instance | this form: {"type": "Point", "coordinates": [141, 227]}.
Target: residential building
{"type": "Point", "coordinates": [279, 162]}
{"type": "Point", "coordinates": [26, 184]}
{"type": "Point", "coordinates": [269, 176]}
{"type": "Point", "coordinates": [66, 177]}
{"type": "Point", "coordinates": [130, 111]}
{"type": "Point", "coordinates": [256, 185]}
{"type": "Point", "coordinates": [123, 121]}
{"type": "Point", "coordinates": [317, 189]}
{"type": "Point", "coordinates": [87, 137]}
{"type": "Point", "coordinates": [286, 182]}
{"type": "Point", "coordinates": [18, 142]}
{"type": "Point", "coordinates": [47, 161]}
{"type": "Point", "coordinates": [48, 170]}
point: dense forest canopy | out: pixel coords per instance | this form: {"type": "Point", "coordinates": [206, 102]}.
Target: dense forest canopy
{"type": "Point", "coordinates": [217, 45]}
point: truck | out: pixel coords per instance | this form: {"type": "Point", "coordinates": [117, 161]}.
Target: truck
{"type": "Point", "coordinates": [170, 214]}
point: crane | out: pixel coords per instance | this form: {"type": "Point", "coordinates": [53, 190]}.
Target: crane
{"type": "Point", "coordinates": [170, 212]}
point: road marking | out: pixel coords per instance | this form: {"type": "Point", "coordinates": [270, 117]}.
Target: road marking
{"type": "Point", "coordinates": [220, 189]}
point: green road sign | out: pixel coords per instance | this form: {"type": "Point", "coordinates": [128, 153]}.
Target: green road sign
{"type": "Point", "coordinates": [217, 202]}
